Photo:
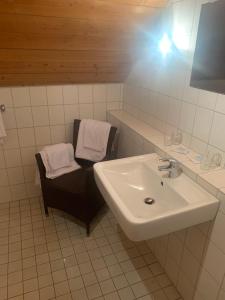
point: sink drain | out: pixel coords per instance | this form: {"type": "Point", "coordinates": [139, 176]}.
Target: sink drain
{"type": "Point", "coordinates": [149, 201]}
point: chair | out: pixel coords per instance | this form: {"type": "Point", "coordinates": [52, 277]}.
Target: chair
{"type": "Point", "coordinates": [75, 193]}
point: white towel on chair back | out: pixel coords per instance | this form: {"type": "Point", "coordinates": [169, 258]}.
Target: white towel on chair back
{"type": "Point", "coordinates": [92, 140]}
{"type": "Point", "coordinates": [58, 160]}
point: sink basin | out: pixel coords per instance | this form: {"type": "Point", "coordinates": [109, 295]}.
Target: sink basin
{"type": "Point", "coordinates": [174, 203]}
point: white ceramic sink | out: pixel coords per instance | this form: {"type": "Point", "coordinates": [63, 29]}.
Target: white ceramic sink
{"type": "Point", "coordinates": [179, 202]}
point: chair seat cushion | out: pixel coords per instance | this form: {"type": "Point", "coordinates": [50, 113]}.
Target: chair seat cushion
{"type": "Point", "coordinates": [74, 182]}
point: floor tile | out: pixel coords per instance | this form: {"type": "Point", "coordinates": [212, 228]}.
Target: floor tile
{"type": "Point", "coordinates": [51, 257]}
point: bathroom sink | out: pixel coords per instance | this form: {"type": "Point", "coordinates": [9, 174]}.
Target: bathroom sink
{"type": "Point", "coordinates": [146, 203]}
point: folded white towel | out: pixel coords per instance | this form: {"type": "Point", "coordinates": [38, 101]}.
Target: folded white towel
{"type": "Point", "coordinates": [2, 129]}
{"type": "Point", "coordinates": [92, 140]}
{"type": "Point", "coordinates": [59, 155]}
{"type": "Point", "coordinates": [58, 160]}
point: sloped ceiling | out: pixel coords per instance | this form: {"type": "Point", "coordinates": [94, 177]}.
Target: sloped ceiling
{"type": "Point", "coordinates": [71, 41]}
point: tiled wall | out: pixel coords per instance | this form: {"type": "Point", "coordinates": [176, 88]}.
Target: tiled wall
{"type": "Point", "coordinates": [165, 98]}
{"type": "Point", "coordinates": [158, 92]}
{"type": "Point", "coordinates": [38, 116]}
{"type": "Point", "coordinates": [188, 256]}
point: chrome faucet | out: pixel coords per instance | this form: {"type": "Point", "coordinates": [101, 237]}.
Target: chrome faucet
{"type": "Point", "coordinates": [173, 168]}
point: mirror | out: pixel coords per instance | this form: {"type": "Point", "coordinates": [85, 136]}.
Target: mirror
{"type": "Point", "coordinates": [208, 71]}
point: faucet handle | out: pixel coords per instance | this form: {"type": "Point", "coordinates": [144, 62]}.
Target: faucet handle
{"type": "Point", "coordinates": [164, 159]}
{"type": "Point", "coordinates": [172, 162]}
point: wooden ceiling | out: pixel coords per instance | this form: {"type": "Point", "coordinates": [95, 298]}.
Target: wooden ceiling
{"type": "Point", "coordinates": [71, 41]}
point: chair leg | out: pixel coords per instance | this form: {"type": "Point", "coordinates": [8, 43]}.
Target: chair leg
{"type": "Point", "coordinates": [88, 229]}
{"type": "Point", "coordinates": [46, 210]}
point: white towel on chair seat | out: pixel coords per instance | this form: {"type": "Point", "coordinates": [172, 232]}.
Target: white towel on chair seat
{"type": "Point", "coordinates": [58, 160]}
{"type": "Point", "coordinates": [92, 140]}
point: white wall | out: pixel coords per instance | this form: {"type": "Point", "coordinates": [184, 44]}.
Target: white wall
{"type": "Point", "coordinates": [38, 116]}
{"type": "Point", "coordinates": [165, 99]}
{"type": "Point", "coordinates": [158, 92]}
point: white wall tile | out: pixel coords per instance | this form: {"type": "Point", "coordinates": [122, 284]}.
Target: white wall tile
{"type": "Point", "coordinates": [207, 286]}
{"type": "Point", "coordinates": [203, 123]}
{"type": "Point", "coordinates": [27, 155]}
{"type": "Point", "coordinates": [54, 95]}
{"type": "Point", "coordinates": [12, 140]}
{"type": "Point", "coordinates": [70, 94]}
{"type": "Point", "coordinates": [207, 99]}
{"type": "Point", "coordinates": [175, 248]}
{"type": "Point", "coordinates": [217, 231]}
{"type": "Point", "coordinates": [114, 106]}
{"type": "Point", "coordinates": [85, 92]}
{"type": "Point", "coordinates": [9, 118]}
{"type": "Point", "coordinates": [214, 262]}
{"type": "Point", "coordinates": [185, 287]}
{"type": "Point", "coordinates": [40, 115]}
{"type": "Point", "coordinates": [26, 137]}
{"type": "Point", "coordinates": [56, 114]}
{"type": "Point", "coordinates": [190, 95]}
{"type": "Point", "coordinates": [114, 92]}
{"type": "Point", "coordinates": [12, 158]}
{"type": "Point", "coordinates": [216, 137]}
{"type": "Point", "coordinates": [6, 97]}
{"type": "Point", "coordinates": [195, 241]}
{"type": "Point", "coordinates": [24, 117]}
{"type": "Point", "coordinates": [38, 95]}
{"type": "Point", "coordinates": [71, 113]}
{"type": "Point", "coordinates": [29, 173]}
{"type": "Point", "coordinates": [220, 105]}
{"type": "Point", "coordinates": [86, 111]}
{"type": "Point", "coordinates": [187, 117]}
{"type": "Point", "coordinates": [173, 116]}
{"type": "Point", "coordinates": [42, 135]}
{"type": "Point", "coordinates": [198, 146]}
{"type": "Point", "coordinates": [58, 134]}
{"type": "Point", "coordinates": [190, 266]}
{"type": "Point", "coordinates": [15, 175]}
{"type": "Point", "coordinates": [100, 111]}
{"type": "Point", "coordinates": [21, 96]}
{"type": "Point", "coordinates": [172, 269]}
{"type": "Point", "coordinates": [99, 93]}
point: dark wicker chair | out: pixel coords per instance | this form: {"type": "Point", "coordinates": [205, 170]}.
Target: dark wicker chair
{"type": "Point", "coordinates": [75, 193]}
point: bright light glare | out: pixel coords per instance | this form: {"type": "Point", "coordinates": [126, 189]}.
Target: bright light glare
{"type": "Point", "coordinates": [165, 45]}
{"type": "Point", "coordinates": [180, 39]}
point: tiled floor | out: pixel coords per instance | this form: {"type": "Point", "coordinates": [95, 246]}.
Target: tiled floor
{"type": "Point", "coordinates": [51, 258]}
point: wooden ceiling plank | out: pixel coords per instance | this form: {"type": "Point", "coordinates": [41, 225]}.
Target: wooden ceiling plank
{"type": "Point", "coordinates": [79, 9]}
{"type": "Point", "coordinates": [22, 67]}
{"type": "Point", "coordinates": [69, 42]}
{"type": "Point", "coordinates": [15, 55]}
{"type": "Point", "coordinates": [72, 41]}
{"type": "Point", "coordinates": [63, 78]}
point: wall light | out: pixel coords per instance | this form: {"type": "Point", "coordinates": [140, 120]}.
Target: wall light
{"type": "Point", "coordinates": [180, 39]}
{"type": "Point", "coordinates": [165, 45]}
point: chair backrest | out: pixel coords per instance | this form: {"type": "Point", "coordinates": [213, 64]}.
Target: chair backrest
{"type": "Point", "coordinates": [87, 163]}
